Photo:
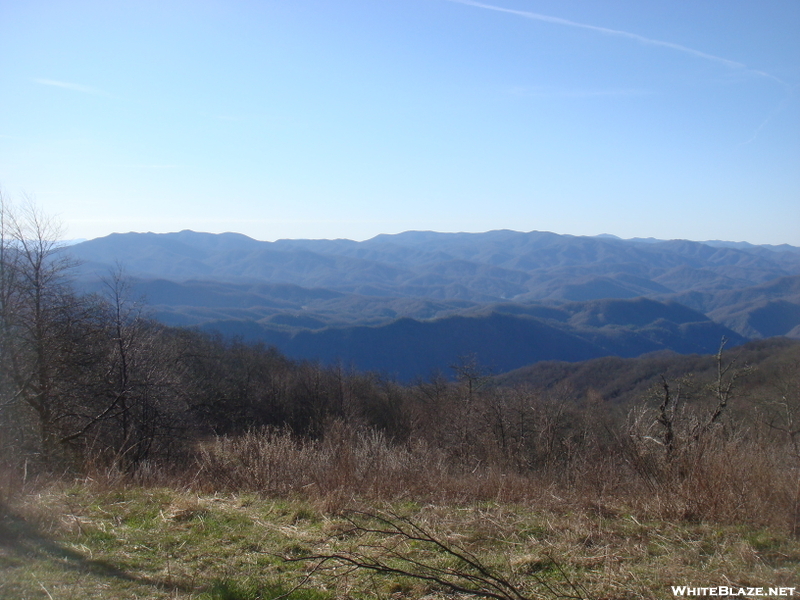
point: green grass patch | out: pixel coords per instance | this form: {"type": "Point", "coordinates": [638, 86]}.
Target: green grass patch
{"type": "Point", "coordinates": [83, 543]}
{"type": "Point", "coordinates": [232, 589]}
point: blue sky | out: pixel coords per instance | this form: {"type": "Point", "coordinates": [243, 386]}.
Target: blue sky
{"type": "Point", "coordinates": [322, 119]}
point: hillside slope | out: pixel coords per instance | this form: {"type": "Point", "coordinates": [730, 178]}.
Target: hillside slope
{"type": "Point", "coordinates": [500, 339]}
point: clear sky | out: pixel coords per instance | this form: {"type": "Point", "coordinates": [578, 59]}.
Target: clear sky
{"type": "Point", "coordinates": [349, 118]}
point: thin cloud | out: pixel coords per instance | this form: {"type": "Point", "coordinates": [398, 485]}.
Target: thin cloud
{"type": "Point", "coordinates": [778, 109]}
{"type": "Point", "coordinates": [75, 87]}
{"type": "Point", "coordinates": [616, 32]}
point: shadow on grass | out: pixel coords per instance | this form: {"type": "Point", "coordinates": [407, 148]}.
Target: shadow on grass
{"type": "Point", "coordinates": [19, 537]}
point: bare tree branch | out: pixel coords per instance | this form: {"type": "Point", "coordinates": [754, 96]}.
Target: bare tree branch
{"type": "Point", "coordinates": [399, 537]}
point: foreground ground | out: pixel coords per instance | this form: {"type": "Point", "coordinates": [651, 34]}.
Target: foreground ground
{"type": "Point", "coordinates": [82, 542]}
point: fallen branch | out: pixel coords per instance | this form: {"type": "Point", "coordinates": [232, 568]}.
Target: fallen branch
{"type": "Point", "coordinates": [399, 539]}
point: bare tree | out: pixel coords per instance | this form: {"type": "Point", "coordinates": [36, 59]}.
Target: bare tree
{"type": "Point", "coordinates": [12, 429]}
{"type": "Point", "coordinates": [9, 271]}
{"type": "Point", "coordinates": [121, 342]}
{"type": "Point", "coordinates": [49, 344]}
{"type": "Point", "coordinates": [723, 389]}
{"type": "Point", "coordinates": [34, 298]}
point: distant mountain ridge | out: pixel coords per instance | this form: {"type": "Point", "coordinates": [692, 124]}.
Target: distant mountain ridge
{"type": "Point", "coordinates": [336, 295]}
{"type": "Point", "coordinates": [497, 265]}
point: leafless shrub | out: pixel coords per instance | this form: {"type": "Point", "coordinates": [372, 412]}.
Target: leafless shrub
{"type": "Point", "coordinates": [695, 465]}
{"type": "Point", "coordinates": [392, 545]}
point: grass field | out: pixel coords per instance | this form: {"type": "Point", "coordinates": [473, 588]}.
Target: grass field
{"type": "Point", "coordinates": [85, 541]}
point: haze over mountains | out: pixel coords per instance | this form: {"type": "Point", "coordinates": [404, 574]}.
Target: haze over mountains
{"type": "Point", "coordinates": [410, 303]}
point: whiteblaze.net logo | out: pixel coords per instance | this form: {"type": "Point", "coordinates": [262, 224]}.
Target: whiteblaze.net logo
{"type": "Point", "coordinates": [732, 591]}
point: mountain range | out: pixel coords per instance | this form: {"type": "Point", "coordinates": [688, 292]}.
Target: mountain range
{"type": "Point", "coordinates": [411, 303]}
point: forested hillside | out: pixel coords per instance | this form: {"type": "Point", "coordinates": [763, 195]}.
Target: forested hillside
{"type": "Point", "coordinates": [502, 338]}
{"type": "Point", "coordinates": [410, 304]}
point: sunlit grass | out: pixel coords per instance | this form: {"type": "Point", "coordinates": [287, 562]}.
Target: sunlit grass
{"type": "Point", "coordinates": [86, 542]}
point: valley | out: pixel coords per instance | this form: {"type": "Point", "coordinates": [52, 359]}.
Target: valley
{"type": "Point", "coordinates": [413, 303]}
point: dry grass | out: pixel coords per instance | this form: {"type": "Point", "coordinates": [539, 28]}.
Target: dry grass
{"type": "Point", "coordinates": [89, 541]}
{"type": "Point", "coordinates": [724, 482]}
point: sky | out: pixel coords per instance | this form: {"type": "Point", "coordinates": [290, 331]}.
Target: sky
{"type": "Point", "coordinates": [351, 118]}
